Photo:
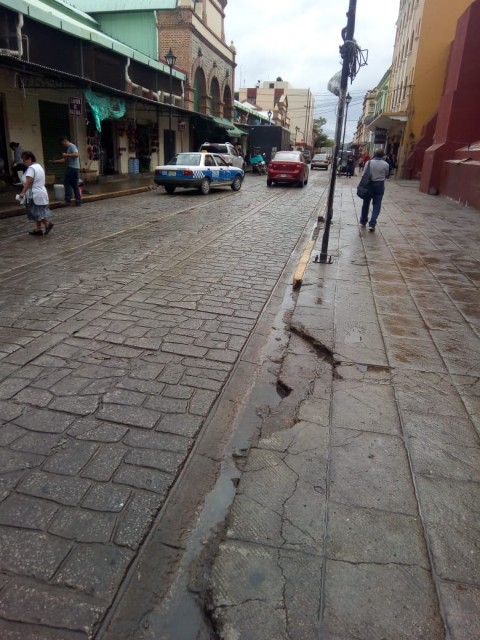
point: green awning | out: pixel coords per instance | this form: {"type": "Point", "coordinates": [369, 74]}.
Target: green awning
{"type": "Point", "coordinates": [236, 132]}
{"type": "Point", "coordinates": [230, 128]}
{"type": "Point", "coordinates": [224, 123]}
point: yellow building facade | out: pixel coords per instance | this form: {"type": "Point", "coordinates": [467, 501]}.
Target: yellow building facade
{"type": "Point", "coordinates": [425, 31]}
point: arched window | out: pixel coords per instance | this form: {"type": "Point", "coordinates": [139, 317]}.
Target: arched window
{"type": "Point", "coordinates": [215, 93]}
{"type": "Point", "coordinates": [199, 86]}
{"type": "Point", "coordinates": [227, 102]}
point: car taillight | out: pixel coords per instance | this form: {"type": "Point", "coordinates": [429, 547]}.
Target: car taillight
{"type": "Point", "coordinates": [187, 172]}
{"type": "Point", "coordinates": [298, 165]}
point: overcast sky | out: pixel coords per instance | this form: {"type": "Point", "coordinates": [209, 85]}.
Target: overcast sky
{"type": "Point", "coordinates": [298, 40]}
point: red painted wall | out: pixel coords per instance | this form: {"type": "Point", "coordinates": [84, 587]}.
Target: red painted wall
{"type": "Point", "coordinates": [458, 121]}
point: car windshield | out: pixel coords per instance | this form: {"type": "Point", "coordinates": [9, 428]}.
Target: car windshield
{"type": "Point", "coordinates": [215, 148]}
{"type": "Point", "coordinates": [320, 156]}
{"type": "Point", "coordinates": [286, 156]}
{"type": "Point", "coordinates": [192, 159]}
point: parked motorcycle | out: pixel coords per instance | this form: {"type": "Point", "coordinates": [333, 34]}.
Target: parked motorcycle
{"type": "Point", "coordinates": [258, 164]}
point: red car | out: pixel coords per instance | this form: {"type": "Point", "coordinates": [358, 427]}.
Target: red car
{"type": "Point", "coordinates": [288, 166]}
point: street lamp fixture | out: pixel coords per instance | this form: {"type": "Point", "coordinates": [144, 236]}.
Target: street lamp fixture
{"type": "Point", "coordinates": [269, 114]}
{"type": "Point", "coordinates": [297, 129]}
{"type": "Point", "coordinates": [170, 59]}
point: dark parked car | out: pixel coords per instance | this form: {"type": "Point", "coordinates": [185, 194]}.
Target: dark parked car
{"type": "Point", "coordinates": [308, 155]}
{"type": "Point", "coordinates": [288, 167]}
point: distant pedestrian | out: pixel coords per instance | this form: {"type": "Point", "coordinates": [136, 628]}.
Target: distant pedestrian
{"type": "Point", "coordinates": [391, 161]}
{"type": "Point", "coordinates": [350, 166]}
{"type": "Point", "coordinates": [35, 196]}
{"type": "Point", "coordinates": [379, 172]}
{"type": "Point", "coordinates": [363, 161]}
{"type": "Point", "coordinates": [72, 171]}
{"type": "Point", "coordinates": [17, 164]}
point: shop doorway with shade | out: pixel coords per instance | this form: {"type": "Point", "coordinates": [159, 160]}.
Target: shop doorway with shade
{"type": "Point", "coordinates": [54, 123]}
{"type": "Point", "coordinates": [108, 152]}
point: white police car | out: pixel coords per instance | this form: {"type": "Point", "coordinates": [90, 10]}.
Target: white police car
{"type": "Point", "coordinates": [202, 171]}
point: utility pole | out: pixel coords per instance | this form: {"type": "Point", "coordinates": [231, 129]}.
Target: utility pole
{"type": "Point", "coordinates": [346, 51]}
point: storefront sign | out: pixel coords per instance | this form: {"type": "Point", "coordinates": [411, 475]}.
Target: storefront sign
{"type": "Point", "coordinates": [380, 136]}
{"type": "Point", "coordinates": [75, 106]}
{"type": "Point", "coordinates": [34, 82]}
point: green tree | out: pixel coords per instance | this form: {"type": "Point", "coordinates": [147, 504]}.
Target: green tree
{"type": "Point", "coordinates": [320, 139]}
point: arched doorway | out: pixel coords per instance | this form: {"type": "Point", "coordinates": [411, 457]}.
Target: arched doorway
{"type": "Point", "coordinates": [227, 103]}
{"type": "Point", "coordinates": [200, 90]}
{"type": "Point", "coordinates": [215, 93]}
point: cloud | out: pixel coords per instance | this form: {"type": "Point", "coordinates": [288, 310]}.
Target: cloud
{"type": "Point", "coordinates": [300, 43]}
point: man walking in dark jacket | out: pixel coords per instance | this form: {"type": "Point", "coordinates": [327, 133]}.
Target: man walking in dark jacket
{"type": "Point", "coordinates": [379, 172]}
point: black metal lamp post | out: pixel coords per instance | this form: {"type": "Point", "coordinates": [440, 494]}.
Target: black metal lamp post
{"type": "Point", "coordinates": [170, 59]}
{"type": "Point", "coordinates": [348, 99]}
{"type": "Point", "coordinates": [269, 114]}
{"type": "Point", "coordinates": [347, 58]}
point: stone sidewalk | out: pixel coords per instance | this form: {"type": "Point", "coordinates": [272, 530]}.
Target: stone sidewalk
{"type": "Point", "coordinates": [108, 187]}
{"type": "Point", "coordinates": [359, 519]}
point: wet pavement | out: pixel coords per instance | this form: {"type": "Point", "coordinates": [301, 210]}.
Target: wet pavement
{"type": "Point", "coordinates": [119, 332]}
{"type": "Point", "coordinates": [191, 449]}
{"type": "Point", "coordinates": [356, 515]}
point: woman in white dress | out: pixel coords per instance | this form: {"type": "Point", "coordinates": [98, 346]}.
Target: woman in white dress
{"type": "Point", "coordinates": [35, 195]}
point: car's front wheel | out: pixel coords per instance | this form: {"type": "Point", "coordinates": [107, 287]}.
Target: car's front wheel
{"type": "Point", "coordinates": [269, 182]}
{"type": "Point", "coordinates": [170, 189]}
{"type": "Point", "coordinates": [236, 184]}
{"type": "Point", "coordinates": [204, 187]}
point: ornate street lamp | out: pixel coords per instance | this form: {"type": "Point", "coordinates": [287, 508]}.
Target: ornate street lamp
{"type": "Point", "coordinates": [269, 114]}
{"type": "Point", "coordinates": [170, 59]}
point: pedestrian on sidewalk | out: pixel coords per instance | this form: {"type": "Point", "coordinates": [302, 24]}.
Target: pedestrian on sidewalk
{"type": "Point", "coordinates": [34, 195]}
{"type": "Point", "coordinates": [379, 172]}
{"type": "Point", "coordinates": [350, 166]}
{"type": "Point", "coordinates": [17, 164]}
{"type": "Point", "coordinates": [72, 171]}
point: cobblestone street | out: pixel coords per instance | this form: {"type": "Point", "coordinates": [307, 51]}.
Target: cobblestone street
{"type": "Point", "coordinates": [118, 332]}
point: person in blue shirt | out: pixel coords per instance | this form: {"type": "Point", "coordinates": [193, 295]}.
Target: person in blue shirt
{"type": "Point", "coordinates": [72, 171]}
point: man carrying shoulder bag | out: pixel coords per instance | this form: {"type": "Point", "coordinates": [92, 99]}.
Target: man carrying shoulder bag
{"type": "Point", "coordinates": [372, 187]}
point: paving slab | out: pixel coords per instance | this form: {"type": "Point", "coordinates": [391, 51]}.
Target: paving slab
{"type": "Point", "coordinates": [393, 315]}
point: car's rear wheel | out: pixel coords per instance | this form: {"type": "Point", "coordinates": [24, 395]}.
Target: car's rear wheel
{"type": "Point", "coordinates": [269, 182]}
{"type": "Point", "coordinates": [204, 187]}
{"type": "Point", "coordinates": [236, 184]}
{"type": "Point", "coordinates": [170, 189]}
{"type": "Point", "coordinates": [301, 183]}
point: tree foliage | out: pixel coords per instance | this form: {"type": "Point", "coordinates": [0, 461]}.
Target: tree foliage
{"type": "Point", "coordinates": [320, 139]}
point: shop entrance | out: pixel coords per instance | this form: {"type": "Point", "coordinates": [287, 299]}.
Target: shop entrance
{"type": "Point", "coordinates": [54, 123]}
{"type": "Point", "coordinates": [108, 153]}
{"type": "Point", "coordinates": [144, 146]}
{"type": "Point", "coordinates": [169, 144]}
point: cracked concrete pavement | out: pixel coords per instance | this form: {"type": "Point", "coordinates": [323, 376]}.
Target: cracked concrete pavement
{"type": "Point", "coordinates": [357, 513]}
